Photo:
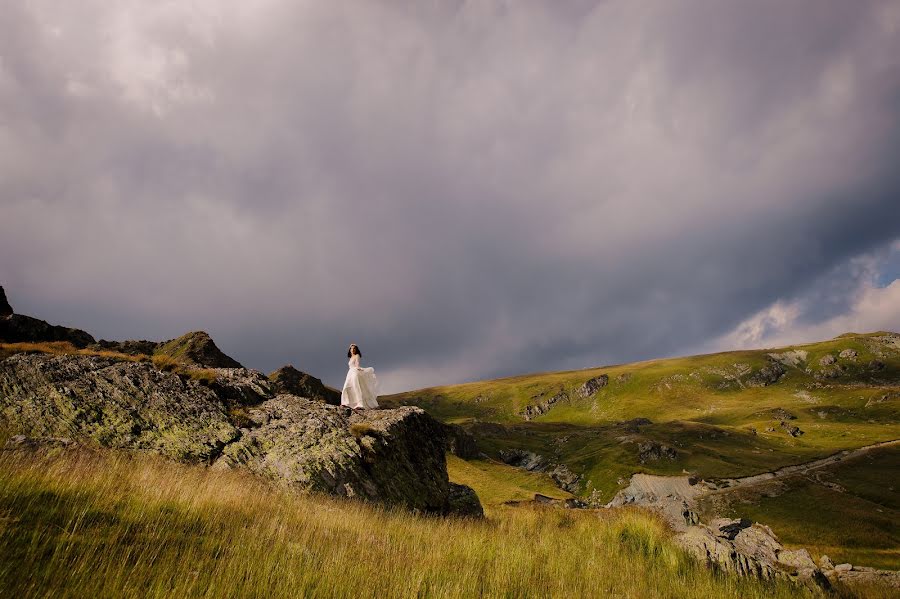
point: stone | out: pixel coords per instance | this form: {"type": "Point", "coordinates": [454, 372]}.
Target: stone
{"type": "Point", "coordinates": [5, 308]}
{"type": "Point", "coordinates": [651, 451]}
{"type": "Point", "coordinates": [110, 403]}
{"type": "Point", "coordinates": [393, 457]}
{"type": "Point", "coordinates": [521, 458]}
{"type": "Point", "coordinates": [769, 374]}
{"type": "Point", "coordinates": [749, 549]}
{"type": "Point", "coordinates": [288, 379]}
{"type": "Point", "coordinates": [827, 360]}
{"type": "Point", "coordinates": [591, 386]}
{"type": "Point", "coordinates": [848, 354]}
{"type": "Point", "coordinates": [825, 563]}
{"type": "Point", "coordinates": [843, 568]}
{"type": "Point", "coordinates": [533, 411]}
{"type": "Point", "coordinates": [799, 559]}
{"type": "Point", "coordinates": [565, 478]}
{"type": "Point", "coordinates": [463, 501]}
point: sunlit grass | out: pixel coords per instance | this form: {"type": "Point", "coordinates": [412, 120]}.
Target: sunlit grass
{"type": "Point", "coordinates": [111, 525]}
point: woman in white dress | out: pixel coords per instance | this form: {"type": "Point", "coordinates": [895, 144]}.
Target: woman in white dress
{"type": "Point", "coordinates": [360, 386]}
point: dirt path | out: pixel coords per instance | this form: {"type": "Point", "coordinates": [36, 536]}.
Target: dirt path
{"type": "Point", "coordinates": [676, 496]}
{"type": "Point", "coordinates": [728, 484]}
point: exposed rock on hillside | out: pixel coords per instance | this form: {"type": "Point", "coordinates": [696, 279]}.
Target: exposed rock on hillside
{"type": "Point", "coordinates": [288, 379]}
{"type": "Point", "coordinates": [394, 457]}
{"type": "Point", "coordinates": [542, 407]}
{"type": "Point", "coordinates": [18, 328]}
{"type": "Point", "coordinates": [199, 349]}
{"type": "Point", "coordinates": [591, 386]}
{"type": "Point", "coordinates": [767, 375]}
{"type": "Point", "coordinates": [113, 404]}
{"type": "Point", "coordinates": [391, 456]}
{"type": "Point", "coordinates": [750, 549]}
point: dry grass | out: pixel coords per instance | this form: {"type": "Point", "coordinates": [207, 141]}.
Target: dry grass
{"type": "Point", "coordinates": [110, 525]}
{"type": "Point", "coordinates": [64, 347]}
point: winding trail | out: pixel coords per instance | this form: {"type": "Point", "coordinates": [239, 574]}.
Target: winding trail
{"type": "Point", "coordinates": [676, 496]}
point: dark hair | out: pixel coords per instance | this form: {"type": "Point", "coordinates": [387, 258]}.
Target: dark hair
{"type": "Point", "coordinates": [350, 351]}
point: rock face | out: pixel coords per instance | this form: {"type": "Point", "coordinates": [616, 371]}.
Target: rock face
{"type": "Point", "coordinates": [591, 386]}
{"type": "Point", "coordinates": [542, 407]}
{"type": "Point", "coordinates": [18, 328]}
{"type": "Point", "coordinates": [197, 348]}
{"type": "Point", "coordinates": [769, 374]}
{"type": "Point", "coordinates": [112, 404]}
{"type": "Point", "coordinates": [395, 457]}
{"type": "Point", "coordinates": [750, 549]}
{"type": "Point", "coordinates": [390, 456]}
{"type": "Point", "coordinates": [131, 347]}
{"type": "Point", "coordinates": [288, 379]}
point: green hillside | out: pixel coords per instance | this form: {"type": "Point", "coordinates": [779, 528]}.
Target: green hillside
{"type": "Point", "coordinates": [721, 415]}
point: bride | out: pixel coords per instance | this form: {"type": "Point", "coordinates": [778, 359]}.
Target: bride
{"type": "Point", "coordinates": [360, 386]}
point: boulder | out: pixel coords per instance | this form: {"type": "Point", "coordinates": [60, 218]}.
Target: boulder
{"type": "Point", "coordinates": [848, 354]}
{"type": "Point", "coordinates": [591, 386]}
{"type": "Point", "coordinates": [843, 568]}
{"type": "Point", "coordinates": [289, 380]}
{"type": "Point", "coordinates": [827, 360]}
{"type": "Point", "coordinates": [749, 549]}
{"type": "Point", "coordinates": [825, 563]}
{"type": "Point", "coordinates": [394, 457]}
{"type": "Point", "coordinates": [109, 403]}
{"type": "Point", "coordinates": [464, 502]}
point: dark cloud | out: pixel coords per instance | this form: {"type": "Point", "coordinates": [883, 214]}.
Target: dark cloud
{"type": "Point", "coordinates": [465, 189]}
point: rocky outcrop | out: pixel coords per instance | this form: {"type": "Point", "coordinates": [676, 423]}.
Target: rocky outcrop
{"type": "Point", "coordinates": [198, 349]}
{"type": "Point", "coordinates": [394, 457]}
{"type": "Point", "coordinates": [288, 379]}
{"type": "Point", "coordinates": [542, 407]}
{"type": "Point", "coordinates": [769, 374]}
{"type": "Point", "coordinates": [112, 404]}
{"type": "Point", "coordinates": [18, 328]}
{"type": "Point", "coordinates": [750, 549]}
{"type": "Point", "coordinates": [652, 451]}
{"type": "Point", "coordinates": [591, 386]}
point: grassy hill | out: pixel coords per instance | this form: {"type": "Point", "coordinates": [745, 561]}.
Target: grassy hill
{"type": "Point", "coordinates": [718, 416]}
{"type": "Point", "coordinates": [81, 524]}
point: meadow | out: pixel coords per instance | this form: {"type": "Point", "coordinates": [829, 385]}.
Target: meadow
{"type": "Point", "coordinates": [103, 524]}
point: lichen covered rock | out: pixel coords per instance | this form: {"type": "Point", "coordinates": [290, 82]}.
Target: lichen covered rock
{"type": "Point", "coordinates": [395, 457]}
{"type": "Point", "coordinates": [112, 404]}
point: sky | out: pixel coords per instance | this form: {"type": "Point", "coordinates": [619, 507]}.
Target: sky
{"type": "Point", "coordinates": [465, 189]}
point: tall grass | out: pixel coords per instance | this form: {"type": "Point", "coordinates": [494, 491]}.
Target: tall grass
{"type": "Point", "coordinates": [117, 525]}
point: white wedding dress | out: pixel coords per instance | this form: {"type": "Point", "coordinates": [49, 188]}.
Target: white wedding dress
{"type": "Point", "coordinates": [360, 386]}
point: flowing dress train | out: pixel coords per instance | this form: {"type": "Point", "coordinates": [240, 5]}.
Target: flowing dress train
{"type": "Point", "coordinates": [360, 387]}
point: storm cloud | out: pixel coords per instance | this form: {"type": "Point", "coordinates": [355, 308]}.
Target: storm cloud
{"type": "Point", "coordinates": [464, 189]}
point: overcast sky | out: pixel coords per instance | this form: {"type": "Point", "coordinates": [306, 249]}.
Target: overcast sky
{"type": "Point", "coordinates": [464, 189]}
